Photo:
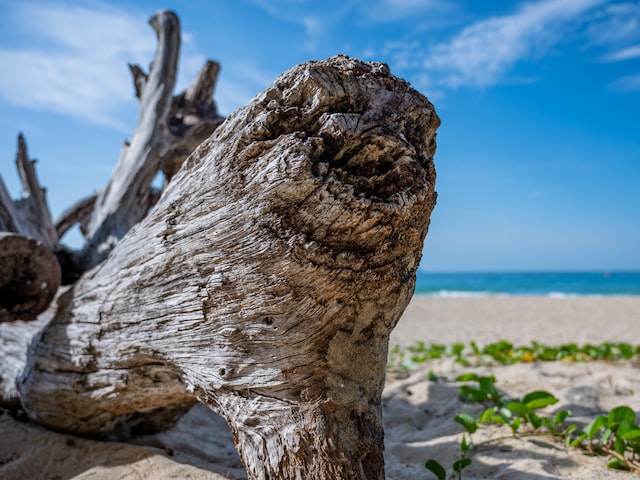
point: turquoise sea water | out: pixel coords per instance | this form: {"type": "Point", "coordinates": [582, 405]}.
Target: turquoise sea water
{"type": "Point", "coordinates": [546, 284]}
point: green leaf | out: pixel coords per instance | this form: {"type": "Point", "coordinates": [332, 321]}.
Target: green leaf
{"type": "Point", "coordinates": [533, 419]}
{"type": "Point", "coordinates": [621, 414]}
{"type": "Point", "coordinates": [617, 464]}
{"type": "Point", "coordinates": [518, 408]}
{"type": "Point", "coordinates": [461, 463]}
{"type": "Point", "coordinates": [624, 428]}
{"type": "Point", "coordinates": [467, 377]}
{"type": "Point", "coordinates": [464, 444]}
{"type": "Point", "coordinates": [632, 434]}
{"type": "Point", "coordinates": [595, 426]}
{"type": "Point", "coordinates": [549, 425]}
{"type": "Point", "coordinates": [457, 349]}
{"type": "Point", "coordinates": [487, 384]}
{"type": "Point", "coordinates": [619, 445]}
{"type": "Point", "coordinates": [579, 440]}
{"type": "Point", "coordinates": [539, 399]}
{"type": "Point", "coordinates": [438, 470]}
{"type": "Point", "coordinates": [487, 415]}
{"type": "Point", "coordinates": [561, 416]}
{"type": "Point", "coordinates": [506, 413]}
{"type": "Point", "coordinates": [566, 433]}
{"type": "Point", "coordinates": [470, 394]}
{"type": "Point", "coordinates": [515, 424]}
{"type": "Point", "coordinates": [467, 422]}
{"type": "Point", "coordinates": [497, 419]}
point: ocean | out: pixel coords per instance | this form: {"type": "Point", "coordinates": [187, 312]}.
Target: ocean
{"type": "Point", "coordinates": [552, 284]}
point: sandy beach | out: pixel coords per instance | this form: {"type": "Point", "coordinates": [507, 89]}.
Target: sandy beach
{"type": "Point", "coordinates": [418, 413]}
{"type": "Point", "coordinates": [519, 319]}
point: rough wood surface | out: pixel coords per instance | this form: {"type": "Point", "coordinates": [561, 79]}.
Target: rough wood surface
{"type": "Point", "coordinates": [265, 281]}
{"type": "Point", "coordinates": [15, 338]}
{"type": "Point", "coordinates": [177, 130]}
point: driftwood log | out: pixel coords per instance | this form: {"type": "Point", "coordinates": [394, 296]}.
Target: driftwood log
{"type": "Point", "coordinates": [264, 283]}
{"type": "Point", "coordinates": [29, 271]}
{"type": "Point", "coordinates": [169, 128]}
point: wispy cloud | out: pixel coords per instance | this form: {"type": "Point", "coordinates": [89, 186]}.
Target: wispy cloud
{"type": "Point", "coordinates": [319, 18]}
{"type": "Point", "coordinates": [626, 84]}
{"type": "Point", "coordinates": [627, 53]}
{"type": "Point", "coordinates": [617, 29]}
{"type": "Point", "coordinates": [483, 53]}
{"type": "Point", "coordinates": [75, 60]}
{"type": "Point", "coordinates": [616, 25]}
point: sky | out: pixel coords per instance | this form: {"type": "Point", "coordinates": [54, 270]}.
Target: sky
{"type": "Point", "coordinates": [538, 155]}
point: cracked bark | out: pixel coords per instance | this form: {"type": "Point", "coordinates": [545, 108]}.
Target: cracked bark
{"type": "Point", "coordinates": [264, 283]}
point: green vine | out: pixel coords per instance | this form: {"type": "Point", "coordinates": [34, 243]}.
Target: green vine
{"type": "Point", "coordinates": [505, 353]}
{"type": "Point", "coordinates": [615, 435]}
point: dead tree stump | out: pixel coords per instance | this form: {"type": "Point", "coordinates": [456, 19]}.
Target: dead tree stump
{"type": "Point", "coordinates": [265, 282]}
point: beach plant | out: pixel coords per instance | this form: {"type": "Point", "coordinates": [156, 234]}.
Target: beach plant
{"type": "Point", "coordinates": [615, 434]}
{"type": "Point", "coordinates": [504, 352]}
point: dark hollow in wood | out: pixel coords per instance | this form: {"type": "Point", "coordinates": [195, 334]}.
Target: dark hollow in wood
{"type": "Point", "coordinates": [29, 277]}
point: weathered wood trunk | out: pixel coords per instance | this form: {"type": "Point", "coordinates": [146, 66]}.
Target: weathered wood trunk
{"type": "Point", "coordinates": [168, 130]}
{"type": "Point", "coordinates": [265, 282]}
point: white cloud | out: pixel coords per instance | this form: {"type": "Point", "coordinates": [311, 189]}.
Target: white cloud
{"type": "Point", "coordinates": [616, 25]}
{"type": "Point", "coordinates": [75, 61]}
{"type": "Point", "coordinates": [623, 54]}
{"type": "Point", "coordinates": [627, 83]}
{"type": "Point", "coordinates": [483, 53]}
{"type": "Point", "coordinates": [617, 28]}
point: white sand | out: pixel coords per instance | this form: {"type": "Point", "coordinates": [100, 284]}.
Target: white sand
{"type": "Point", "coordinates": [418, 413]}
{"type": "Point", "coordinates": [520, 320]}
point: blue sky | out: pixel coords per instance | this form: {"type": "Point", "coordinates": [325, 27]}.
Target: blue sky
{"type": "Point", "coordinates": [539, 150]}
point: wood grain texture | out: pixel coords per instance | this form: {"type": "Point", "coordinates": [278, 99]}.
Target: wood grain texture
{"type": "Point", "coordinates": [264, 283]}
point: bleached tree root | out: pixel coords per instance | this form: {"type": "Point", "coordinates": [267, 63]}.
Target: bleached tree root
{"type": "Point", "coordinates": [265, 282]}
